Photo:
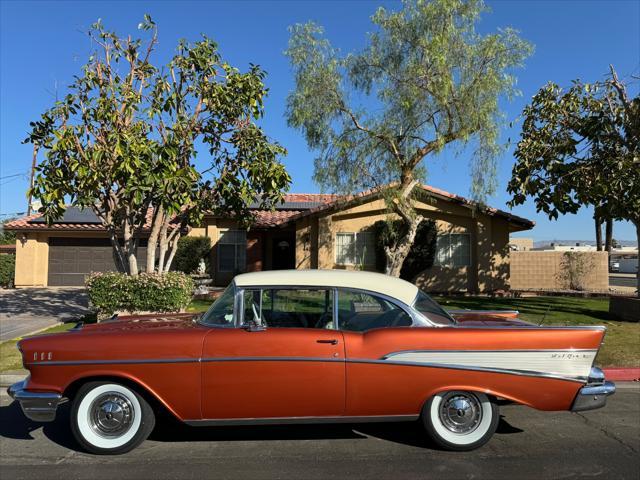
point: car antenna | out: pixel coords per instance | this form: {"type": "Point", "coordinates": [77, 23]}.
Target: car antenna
{"type": "Point", "coordinates": [545, 314]}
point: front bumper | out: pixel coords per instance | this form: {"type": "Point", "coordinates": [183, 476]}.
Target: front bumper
{"type": "Point", "coordinates": [594, 394]}
{"type": "Point", "coordinates": [36, 406]}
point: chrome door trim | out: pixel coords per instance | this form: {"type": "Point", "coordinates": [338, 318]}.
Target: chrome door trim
{"type": "Point", "coordinates": [381, 361]}
{"type": "Point", "coordinates": [300, 420]}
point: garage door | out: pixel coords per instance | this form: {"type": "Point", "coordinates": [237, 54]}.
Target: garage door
{"type": "Point", "coordinates": [72, 259]}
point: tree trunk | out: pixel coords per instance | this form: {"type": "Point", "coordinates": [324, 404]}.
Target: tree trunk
{"type": "Point", "coordinates": [130, 248]}
{"type": "Point", "coordinates": [118, 253]}
{"type": "Point", "coordinates": [397, 254]}
{"type": "Point", "coordinates": [163, 243]}
{"type": "Point", "coordinates": [174, 249]}
{"type": "Point", "coordinates": [608, 239]}
{"type": "Point", "coordinates": [598, 221]}
{"type": "Point", "coordinates": [152, 245]}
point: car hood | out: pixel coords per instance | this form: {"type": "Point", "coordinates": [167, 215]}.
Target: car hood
{"type": "Point", "coordinates": [169, 321]}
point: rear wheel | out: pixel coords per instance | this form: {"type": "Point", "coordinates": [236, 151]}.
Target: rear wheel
{"type": "Point", "coordinates": [110, 418]}
{"type": "Point", "coordinates": [460, 420]}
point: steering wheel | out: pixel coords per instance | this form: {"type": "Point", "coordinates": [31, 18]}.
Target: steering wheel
{"type": "Point", "coordinates": [324, 321]}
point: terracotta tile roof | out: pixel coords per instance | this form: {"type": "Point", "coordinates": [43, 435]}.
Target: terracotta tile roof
{"type": "Point", "coordinates": [292, 209]}
{"type": "Point", "coordinates": [347, 201]}
{"type": "Point", "coordinates": [266, 218]}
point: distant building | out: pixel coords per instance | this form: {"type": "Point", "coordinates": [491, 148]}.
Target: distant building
{"type": "Point", "coordinates": [520, 244]}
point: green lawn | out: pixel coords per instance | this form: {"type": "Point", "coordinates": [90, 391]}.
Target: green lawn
{"type": "Point", "coordinates": [621, 346]}
{"type": "Point", "coordinates": [10, 358]}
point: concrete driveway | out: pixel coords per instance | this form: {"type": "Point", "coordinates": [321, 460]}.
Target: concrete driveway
{"type": "Point", "coordinates": [26, 310]}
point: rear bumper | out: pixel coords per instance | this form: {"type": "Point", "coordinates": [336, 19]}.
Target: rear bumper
{"type": "Point", "coordinates": [36, 406]}
{"type": "Point", "coordinates": [594, 394]}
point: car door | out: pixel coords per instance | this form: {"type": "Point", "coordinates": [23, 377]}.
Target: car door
{"type": "Point", "coordinates": [370, 324]}
{"type": "Point", "coordinates": [286, 361]}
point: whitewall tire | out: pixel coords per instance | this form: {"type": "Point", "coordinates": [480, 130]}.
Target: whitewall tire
{"type": "Point", "coordinates": [460, 420]}
{"type": "Point", "coordinates": [110, 418]}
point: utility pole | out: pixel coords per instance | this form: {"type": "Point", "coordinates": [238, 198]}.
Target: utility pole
{"type": "Point", "coordinates": [33, 171]}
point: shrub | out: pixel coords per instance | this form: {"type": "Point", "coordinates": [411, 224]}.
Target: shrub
{"type": "Point", "coordinates": [575, 268]}
{"type": "Point", "coordinates": [110, 292]}
{"type": "Point", "coordinates": [7, 270]}
{"type": "Point", "coordinates": [190, 251]}
{"type": "Point", "coordinates": [422, 252]}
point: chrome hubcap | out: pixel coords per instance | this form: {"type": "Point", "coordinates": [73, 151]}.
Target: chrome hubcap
{"type": "Point", "coordinates": [460, 412]}
{"type": "Point", "coordinates": [111, 414]}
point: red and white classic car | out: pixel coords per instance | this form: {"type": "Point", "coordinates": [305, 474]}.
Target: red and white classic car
{"type": "Point", "coordinates": [309, 347]}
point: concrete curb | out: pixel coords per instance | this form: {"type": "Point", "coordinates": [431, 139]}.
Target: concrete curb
{"type": "Point", "coordinates": [7, 380]}
{"type": "Point", "coordinates": [622, 374]}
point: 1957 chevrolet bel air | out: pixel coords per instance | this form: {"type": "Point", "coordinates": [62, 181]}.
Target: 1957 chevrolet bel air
{"type": "Point", "coordinates": [309, 347]}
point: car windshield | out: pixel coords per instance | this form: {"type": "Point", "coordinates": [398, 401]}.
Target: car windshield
{"type": "Point", "coordinates": [428, 307]}
{"type": "Point", "coordinates": [221, 312]}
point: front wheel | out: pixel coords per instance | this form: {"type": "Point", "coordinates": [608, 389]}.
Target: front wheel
{"type": "Point", "coordinates": [459, 420]}
{"type": "Point", "coordinates": [110, 418]}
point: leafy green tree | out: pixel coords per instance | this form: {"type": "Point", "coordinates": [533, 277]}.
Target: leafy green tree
{"type": "Point", "coordinates": [426, 79]}
{"type": "Point", "coordinates": [581, 146]}
{"type": "Point", "coordinates": [123, 141]}
{"type": "Point", "coordinates": [6, 237]}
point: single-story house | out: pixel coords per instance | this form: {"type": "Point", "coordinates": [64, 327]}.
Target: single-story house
{"type": "Point", "coordinates": [305, 231]}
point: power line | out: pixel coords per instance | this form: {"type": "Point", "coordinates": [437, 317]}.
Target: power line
{"type": "Point", "coordinates": [14, 175]}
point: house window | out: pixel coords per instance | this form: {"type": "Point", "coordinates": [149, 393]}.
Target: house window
{"type": "Point", "coordinates": [453, 250]}
{"type": "Point", "coordinates": [232, 251]}
{"type": "Point", "coordinates": [355, 248]}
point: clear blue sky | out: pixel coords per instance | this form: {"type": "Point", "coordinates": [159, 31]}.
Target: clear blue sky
{"type": "Point", "coordinates": [42, 47]}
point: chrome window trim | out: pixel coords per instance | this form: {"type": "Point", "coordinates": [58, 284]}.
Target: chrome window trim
{"type": "Point", "coordinates": [426, 319]}
{"type": "Point", "coordinates": [418, 320]}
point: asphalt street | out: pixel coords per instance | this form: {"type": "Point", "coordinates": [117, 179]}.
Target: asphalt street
{"type": "Point", "coordinates": [529, 444]}
{"type": "Point", "coordinates": [622, 280]}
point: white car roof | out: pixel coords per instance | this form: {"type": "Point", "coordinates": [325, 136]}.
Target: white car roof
{"type": "Point", "coordinates": [375, 282]}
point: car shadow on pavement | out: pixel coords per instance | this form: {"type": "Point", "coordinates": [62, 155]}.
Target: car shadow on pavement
{"type": "Point", "coordinates": [14, 425]}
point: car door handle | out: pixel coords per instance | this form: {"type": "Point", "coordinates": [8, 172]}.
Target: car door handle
{"type": "Point", "coordinates": [332, 342]}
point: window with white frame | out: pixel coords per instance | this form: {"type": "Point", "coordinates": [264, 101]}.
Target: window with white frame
{"type": "Point", "coordinates": [453, 250]}
{"type": "Point", "coordinates": [232, 251]}
{"type": "Point", "coordinates": [355, 248]}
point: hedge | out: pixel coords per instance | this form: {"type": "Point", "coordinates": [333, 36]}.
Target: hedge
{"type": "Point", "coordinates": [7, 270]}
{"type": "Point", "coordinates": [190, 251]}
{"type": "Point", "coordinates": [111, 292]}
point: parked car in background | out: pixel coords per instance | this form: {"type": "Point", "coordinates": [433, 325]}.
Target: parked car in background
{"type": "Point", "coordinates": [311, 346]}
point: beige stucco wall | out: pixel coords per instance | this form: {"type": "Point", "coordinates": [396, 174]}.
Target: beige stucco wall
{"type": "Point", "coordinates": [489, 238]}
{"type": "Point", "coordinates": [32, 265]}
{"type": "Point", "coordinates": [539, 270]}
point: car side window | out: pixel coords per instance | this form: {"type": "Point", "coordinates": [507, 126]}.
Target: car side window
{"type": "Point", "coordinates": [359, 311]}
{"type": "Point", "coordinates": [221, 312]}
{"type": "Point", "coordinates": [289, 308]}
